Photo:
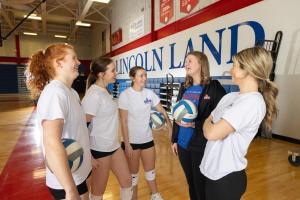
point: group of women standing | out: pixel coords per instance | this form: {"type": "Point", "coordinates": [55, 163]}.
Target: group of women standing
{"type": "Point", "coordinates": [217, 140]}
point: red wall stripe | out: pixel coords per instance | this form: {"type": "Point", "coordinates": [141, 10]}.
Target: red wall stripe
{"type": "Point", "coordinates": [213, 11]}
{"type": "Point", "coordinates": [20, 60]}
{"type": "Point", "coordinates": [132, 45]}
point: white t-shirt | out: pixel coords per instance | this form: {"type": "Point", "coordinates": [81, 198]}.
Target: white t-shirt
{"type": "Point", "coordinates": [104, 132]}
{"type": "Point", "coordinates": [138, 105]}
{"type": "Point", "coordinates": [244, 112]}
{"type": "Point", "coordinates": [57, 101]}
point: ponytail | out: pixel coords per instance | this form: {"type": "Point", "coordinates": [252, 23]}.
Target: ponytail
{"type": "Point", "coordinates": [40, 69]}
{"type": "Point", "coordinates": [90, 80]}
{"type": "Point", "coordinates": [258, 62]}
{"type": "Point", "coordinates": [269, 91]}
{"type": "Point", "coordinates": [37, 75]}
{"type": "Point", "coordinates": [97, 65]}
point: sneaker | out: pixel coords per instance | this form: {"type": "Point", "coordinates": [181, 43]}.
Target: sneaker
{"type": "Point", "coordinates": [156, 196]}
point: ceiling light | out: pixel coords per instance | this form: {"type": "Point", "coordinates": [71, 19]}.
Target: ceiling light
{"type": "Point", "coordinates": [102, 1]}
{"type": "Point", "coordinates": [29, 33]}
{"type": "Point", "coordinates": [79, 23]}
{"type": "Point", "coordinates": [33, 16]}
{"type": "Point", "coordinates": [60, 36]}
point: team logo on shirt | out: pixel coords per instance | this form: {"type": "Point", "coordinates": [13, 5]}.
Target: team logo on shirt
{"type": "Point", "coordinates": [147, 101]}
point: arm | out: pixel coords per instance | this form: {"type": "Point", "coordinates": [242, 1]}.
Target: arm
{"type": "Point", "coordinates": [217, 131]}
{"type": "Point", "coordinates": [89, 118]}
{"type": "Point", "coordinates": [160, 109]}
{"type": "Point", "coordinates": [56, 156]}
{"type": "Point", "coordinates": [124, 128]}
{"type": "Point", "coordinates": [175, 125]}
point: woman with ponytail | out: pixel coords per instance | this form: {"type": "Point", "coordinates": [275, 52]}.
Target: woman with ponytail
{"type": "Point", "coordinates": [50, 74]}
{"type": "Point", "coordinates": [102, 114]}
{"type": "Point", "coordinates": [233, 124]}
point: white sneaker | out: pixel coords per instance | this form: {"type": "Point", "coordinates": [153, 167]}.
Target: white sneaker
{"type": "Point", "coordinates": [156, 196]}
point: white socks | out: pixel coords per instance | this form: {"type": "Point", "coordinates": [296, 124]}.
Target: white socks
{"type": "Point", "coordinates": [126, 193]}
{"type": "Point", "coordinates": [94, 197]}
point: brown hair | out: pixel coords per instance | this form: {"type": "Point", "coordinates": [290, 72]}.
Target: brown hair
{"type": "Point", "coordinates": [40, 69]}
{"type": "Point", "coordinates": [98, 65]}
{"type": "Point", "coordinates": [258, 62]}
{"type": "Point", "coordinates": [133, 72]}
{"type": "Point", "coordinates": [205, 74]}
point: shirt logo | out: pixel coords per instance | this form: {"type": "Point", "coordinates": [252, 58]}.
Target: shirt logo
{"type": "Point", "coordinates": [147, 101]}
{"type": "Point", "coordinates": [206, 97]}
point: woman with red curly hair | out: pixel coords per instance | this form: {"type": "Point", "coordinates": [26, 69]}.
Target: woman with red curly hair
{"type": "Point", "coordinates": [50, 75]}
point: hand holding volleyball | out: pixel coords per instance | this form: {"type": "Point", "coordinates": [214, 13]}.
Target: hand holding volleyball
{"type": "Point", "coordinates": [184, 111]}
{"type": "Point", "coordinates": [157, 120]}
{"type": "Point", "coordinates": [74, 153]}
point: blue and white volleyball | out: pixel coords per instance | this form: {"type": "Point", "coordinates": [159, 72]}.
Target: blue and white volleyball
{"type": "Point", "coordinates": [157, 120]}
{"type": "Point", "coordinates": [74, 152]}
{"type": "Point", "coordinates": [185, 111]}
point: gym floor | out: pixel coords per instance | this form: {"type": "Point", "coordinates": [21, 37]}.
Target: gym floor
{"type": "Point", "coordinates": [270, 176]}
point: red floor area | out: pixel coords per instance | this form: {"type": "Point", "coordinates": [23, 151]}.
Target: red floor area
{"type": "Point", "coordinates": [23, 177]}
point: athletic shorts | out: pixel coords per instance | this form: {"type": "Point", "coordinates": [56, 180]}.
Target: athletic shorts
{"type": "Point", "coordinates": [101, 154]}
{"type": "Point", "coordinates": [146, 145]}
{"type": "Point", "coordinates": [61, 194]}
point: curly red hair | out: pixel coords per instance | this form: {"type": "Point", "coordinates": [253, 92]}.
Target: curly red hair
{"type": "Point", "coordinates": [40, 69]}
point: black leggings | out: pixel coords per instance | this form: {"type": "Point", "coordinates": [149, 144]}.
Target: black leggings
{"type": "Point", "coordinates": [230, 187]}
{"type": "Point", "coordinates": [190, 161]}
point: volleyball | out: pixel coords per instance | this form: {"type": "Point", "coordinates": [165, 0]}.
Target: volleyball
{"type": "Point", "coordinates": [74, 154]}
{"type": "Point", "coordinates": [184, 111]}
{"type": "Point", "coordinates": [157, 120]}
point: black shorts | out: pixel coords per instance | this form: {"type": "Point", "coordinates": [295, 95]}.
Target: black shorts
{"type": "Point", "coordinates": [101, 154]}
{"type": "Point", "coordinates": [146, 145]}
{"type": "Point", "coordinates": [61, 194]}
{"type": "Point", "coordinates": [229, 187]}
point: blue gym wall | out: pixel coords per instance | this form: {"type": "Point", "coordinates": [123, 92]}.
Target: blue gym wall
{"type": "Point", "coordinates": [8, 78]}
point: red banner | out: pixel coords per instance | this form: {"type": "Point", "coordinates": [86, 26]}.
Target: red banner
{"type": "Point", "coordinates": [116, 37]}
{"type": "Point", "coordinates": [187, 5]}
{"type": "Point", "coordinates": [166, 10]}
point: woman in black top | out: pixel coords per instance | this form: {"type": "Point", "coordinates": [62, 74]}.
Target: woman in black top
{"type": "Point", "coordinates": [188, 139]}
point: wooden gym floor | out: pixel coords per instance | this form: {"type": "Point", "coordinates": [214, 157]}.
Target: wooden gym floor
{"type": "Point", "coordinates": [270, 177]}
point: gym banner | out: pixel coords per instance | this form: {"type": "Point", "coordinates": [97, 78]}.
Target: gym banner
{"type": "Point", "coordinates": [166, 10]}
{"type": "Point", "coordinates": [116, 37]}
{"type": "Point", "coordinates": [187, 5]}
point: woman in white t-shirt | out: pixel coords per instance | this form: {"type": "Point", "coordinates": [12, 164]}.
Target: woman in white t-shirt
{"type": "Point", "coordinates": [234, 123]}
{"type": "Point", "coordinates": [59, 115]}
{"type": "Point", "coordinates": [135, 105]}
{"type": "Point", "coordinates": [102, 114]}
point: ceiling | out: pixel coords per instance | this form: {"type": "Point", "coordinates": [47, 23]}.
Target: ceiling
{"type": "Point", "coordinates": [58, 16]}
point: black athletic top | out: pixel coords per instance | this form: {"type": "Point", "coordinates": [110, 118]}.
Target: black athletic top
{"type": "Point", "coordinates": [208, 100]}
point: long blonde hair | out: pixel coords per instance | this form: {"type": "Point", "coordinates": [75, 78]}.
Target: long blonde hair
{"type": "Point", "coordinates": [205, 74]}
{"type": "Point", "coordinates": [258, 62]}
{"type": "Point", "coordinates": [40, 69]}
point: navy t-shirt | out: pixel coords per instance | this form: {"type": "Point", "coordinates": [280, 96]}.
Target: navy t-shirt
{"type": "Point", "coordinates": [185, 134]}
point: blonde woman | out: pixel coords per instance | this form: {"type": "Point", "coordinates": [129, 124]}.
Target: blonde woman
{"type": "Point", "coordinates": [233, 124]}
